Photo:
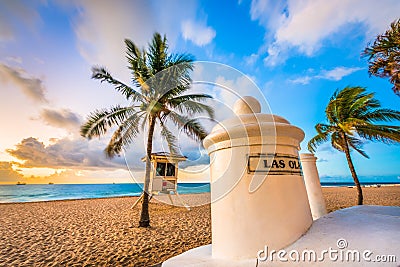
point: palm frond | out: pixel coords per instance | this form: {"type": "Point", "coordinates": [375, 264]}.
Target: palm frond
{"type": "Point", "coordinates": [158, 53]}
{"type": "Point", "coordinates": [191, 127]}
{"type": "Point", "coordinates": [384, 55]}
{"type": "Point", "coordinates": [170, 82]}
{"type": "Point", "coordinates": [103, 75]}
{"type": "Point", "coordinates": [193, 97]}
{"type": "Point", "coordinates": [170, 138]}
{"type": "Point", "coordinates": [381, 115]}
{"type": "Point", "coordinates": [322, 128]}
{"type": "Point", "coordinates": [137, 60]}
{"type": "Point", "coordinates": [184, 60]}
{"type": "Point", "coordinates": [191, 107]}
{"type": "Point", "coordinates": [124, 135]}
{"type": "Point", "coordinates": [356, 144]}
{"type": "Point", "coordinates": [316, 141]}
{"type": "Point", "coordinates": [337, 141]}
{"type": "Point", "coordinates": [381, 133]}
{"type": "Point", "coordinates": [99, 121]}
{"type": "Point", "coordinates": [351, 113]}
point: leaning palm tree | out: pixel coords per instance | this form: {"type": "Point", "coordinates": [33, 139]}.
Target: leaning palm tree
{"type": "Point", "coordinates": [159, 100]}
{"type": "Point", "coordinates": [352, 116]}
{"type": "Point", "coordinates": [384, 55]}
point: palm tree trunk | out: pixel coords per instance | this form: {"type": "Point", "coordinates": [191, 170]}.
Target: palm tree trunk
{"type": "Point", "coordinates": [353, 172]}
{"type": "Point", "coordinates": [144, 215]}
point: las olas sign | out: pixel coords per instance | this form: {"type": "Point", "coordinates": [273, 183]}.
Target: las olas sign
{"type": "Point", "coordinates": [274, 164]}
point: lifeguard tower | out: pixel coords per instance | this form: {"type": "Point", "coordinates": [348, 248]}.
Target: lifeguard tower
{"type": "Point", "coordinates": [164, 176]}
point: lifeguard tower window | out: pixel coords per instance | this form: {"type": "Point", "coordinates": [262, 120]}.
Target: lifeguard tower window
{"type": "Point", "coordinates": [165, 169]}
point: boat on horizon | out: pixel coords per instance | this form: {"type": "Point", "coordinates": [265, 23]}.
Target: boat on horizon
{"type": "Point", "coordinates": [21, 183]}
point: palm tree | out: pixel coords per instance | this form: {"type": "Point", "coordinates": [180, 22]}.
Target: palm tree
{"type": "Point", "coordinates": [162, 80]}
{"type": "Point", "coordinates": [352, 114]}
{"type": "Point", "coordinates": [384, 55]}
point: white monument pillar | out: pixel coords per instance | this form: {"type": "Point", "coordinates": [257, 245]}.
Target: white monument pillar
{"type": "Point", "coordinates": [313, 185]}
{"type": "Point", "coordinates": [257, 189]}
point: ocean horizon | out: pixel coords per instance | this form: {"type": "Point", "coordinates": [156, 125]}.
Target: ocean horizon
{"type": "Point", "coordinates": [48, 192]}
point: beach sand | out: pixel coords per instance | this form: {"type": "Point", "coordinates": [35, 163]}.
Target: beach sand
{"type": "Point", "coordinates": [103, 232]}
{"type": "Point", "coordinates": [344, 197]}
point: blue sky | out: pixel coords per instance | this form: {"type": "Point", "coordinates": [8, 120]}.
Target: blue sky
{"type": "Point", "coordinates": [297, 53]}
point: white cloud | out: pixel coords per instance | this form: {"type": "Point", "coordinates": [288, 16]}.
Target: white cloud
{"type": "Point", "coordinates": [230, 90]}
{"type": "Point", "coordinates": [302, 80]}
{"type": "Point", "coordinates": [277, 54]}
{"type": "Point", "coordinates": [32, 87]}
{"type": "Point", "coordinates": [269, 13]}
{"type": "Point", "coordinates": [198, 33]}
{"type": "Point", "coordinates": [14, 59]}
{"type": "Point", "coordinates": [335, 74]}
{"type": "Point", "coordinates": [304, 25]}
{"type": "Point", "coordinates": [252, 59]}
{"type": "Point", "coordinates": [338, 73]}
{"type": "Point", "coordinates": [100, 34]}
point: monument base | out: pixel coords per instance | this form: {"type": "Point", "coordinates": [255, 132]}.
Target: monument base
{"type": "Point", "coordinates": [356, 236]}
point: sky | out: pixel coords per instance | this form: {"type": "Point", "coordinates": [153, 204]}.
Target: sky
{"type": "Point", "coordinates": [296, 54]}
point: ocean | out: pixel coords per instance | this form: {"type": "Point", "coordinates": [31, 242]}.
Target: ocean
{"type": "Point", "coordinates": [47, 192]}
{"type": "Point", "coordinates": [364, 180]}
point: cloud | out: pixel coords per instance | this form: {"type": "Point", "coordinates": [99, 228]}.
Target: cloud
{"type": "Point", "coordinates": [304, 25]}
{"type": "Point", "coordinates": [32, 87]}
{"type": "Point", "coordinates": [269, 13]}
{"type": "Point", "coordinates": [16, 12]}
{"type": "Point", "coordinates": [252, 59]}
{"type": "Point", "coordinates": [71, 176]}
{"type": "Point", "coordinates": [302, 80]}
{"type": "Point", "coordinates": [277, 54]}
{"type": "Point", "coordinates": [198, 33]}
{"type": "Point", "coordinates": [335, 74]}
{"type": "Point", "coordinates": [63, 118]}
{"type": "Point", "coordinates": [63, 153]}
{"type": "Point", "coordinates": [8, 174]}
{"type": "Point", "coordinates": [100, 37]}
{"type": "Point", "coordinates": [338, 73]}
{"type": "Point", "coordinates": [64, 176]}
{"type": "Point", "coordinates": [227, 89]}
{"type": "Point", "coordinates": [327, 147]}
{"type": "Point", "coordinates": [14, 59]}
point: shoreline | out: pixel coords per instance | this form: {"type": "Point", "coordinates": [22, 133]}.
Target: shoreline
{"type": "Point", "coordinates": [377, 185]}
{"type": "Point", "coordinates": [362, 185]}
{"type": "Point", "coordinates": [94, 198]}
{"type": "Point", "coordinates": [339, 184]}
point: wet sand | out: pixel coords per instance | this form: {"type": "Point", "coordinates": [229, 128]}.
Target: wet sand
{"type": "Point", "coordinates": [104, 232]}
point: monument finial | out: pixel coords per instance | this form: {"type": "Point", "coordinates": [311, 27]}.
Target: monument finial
{"type": "Point", "coordinates": [246, 105]}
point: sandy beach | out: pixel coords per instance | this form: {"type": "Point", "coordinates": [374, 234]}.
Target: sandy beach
{"type": "Point", "coordinates": [103, 232]}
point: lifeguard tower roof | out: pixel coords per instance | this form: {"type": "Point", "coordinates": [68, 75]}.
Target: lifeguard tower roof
{"type": "Point", "coordinates": [166, 156]}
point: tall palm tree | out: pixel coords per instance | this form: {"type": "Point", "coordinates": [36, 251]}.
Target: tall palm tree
{"type": "Point", "coordinates": [384, 55]}
{"type": "Point", "coordinates": [161, 80]}
{"type": "Point", "coordinates": [352, 114]}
